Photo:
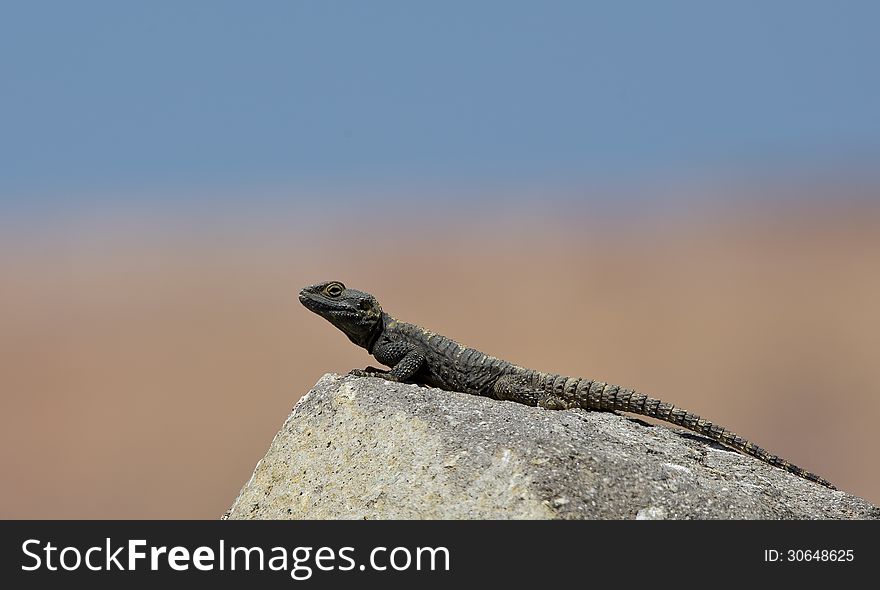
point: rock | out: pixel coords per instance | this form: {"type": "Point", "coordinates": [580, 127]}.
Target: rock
{"type": "Point", "coordinates": [366, 448]}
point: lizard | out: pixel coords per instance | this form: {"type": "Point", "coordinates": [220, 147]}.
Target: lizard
{"type": "Point", "coordinates": [416, 355]}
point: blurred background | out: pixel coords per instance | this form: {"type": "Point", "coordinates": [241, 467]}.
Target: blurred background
{"type": "Point", "coordinates": [679, 197]}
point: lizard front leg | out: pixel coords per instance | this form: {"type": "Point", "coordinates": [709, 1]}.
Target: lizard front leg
{"type": "Point", "coordinates": [404, 359]}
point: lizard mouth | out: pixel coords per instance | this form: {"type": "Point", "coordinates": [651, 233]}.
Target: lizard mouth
{"type": "Point", "coordinates": [313, 302]}
{"type": "Point", "coordinates": [323, 307]}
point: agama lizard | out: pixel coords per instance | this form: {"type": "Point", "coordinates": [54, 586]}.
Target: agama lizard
{"type": "Point", "coordinates": [416, 355]}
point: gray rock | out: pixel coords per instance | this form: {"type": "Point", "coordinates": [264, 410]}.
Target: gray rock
{"type": "Point", "coordinates": [359, 448]}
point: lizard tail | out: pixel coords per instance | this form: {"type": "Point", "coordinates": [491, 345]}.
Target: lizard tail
{"type": "Point", "coordinates": [559, 392]}
{"type": "Point", "coordinates": [602, 396]}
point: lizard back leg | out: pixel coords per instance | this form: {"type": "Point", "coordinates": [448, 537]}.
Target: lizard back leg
{"type": "Point", "coordinates": [527, 389]}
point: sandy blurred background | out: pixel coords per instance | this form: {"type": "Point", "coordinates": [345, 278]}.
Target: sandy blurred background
{"type": "Point", "coordinates": [680, 197]}
{"type": "Point", "coordinates": [145, 372]}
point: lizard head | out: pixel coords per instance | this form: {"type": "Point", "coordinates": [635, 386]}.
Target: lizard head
{"type": "Point", "coordinates": [356, 313]}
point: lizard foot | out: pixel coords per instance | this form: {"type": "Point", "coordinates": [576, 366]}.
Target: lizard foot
{"type": "Point", "coordinates": [370, 372]}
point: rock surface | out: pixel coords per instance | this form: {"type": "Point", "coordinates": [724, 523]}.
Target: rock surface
{"type": "Point", "coordinates": [365, 448]}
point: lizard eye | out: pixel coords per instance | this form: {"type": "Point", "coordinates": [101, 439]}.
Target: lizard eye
{"type": "Point", "coordinates": [334, 289]}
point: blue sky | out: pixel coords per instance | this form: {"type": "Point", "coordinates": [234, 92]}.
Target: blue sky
{"type": "Point", "coordinates": [129, 99]}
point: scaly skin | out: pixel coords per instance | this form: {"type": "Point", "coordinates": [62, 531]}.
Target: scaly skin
{"type": "Point", "coordinates": [416, 355]}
